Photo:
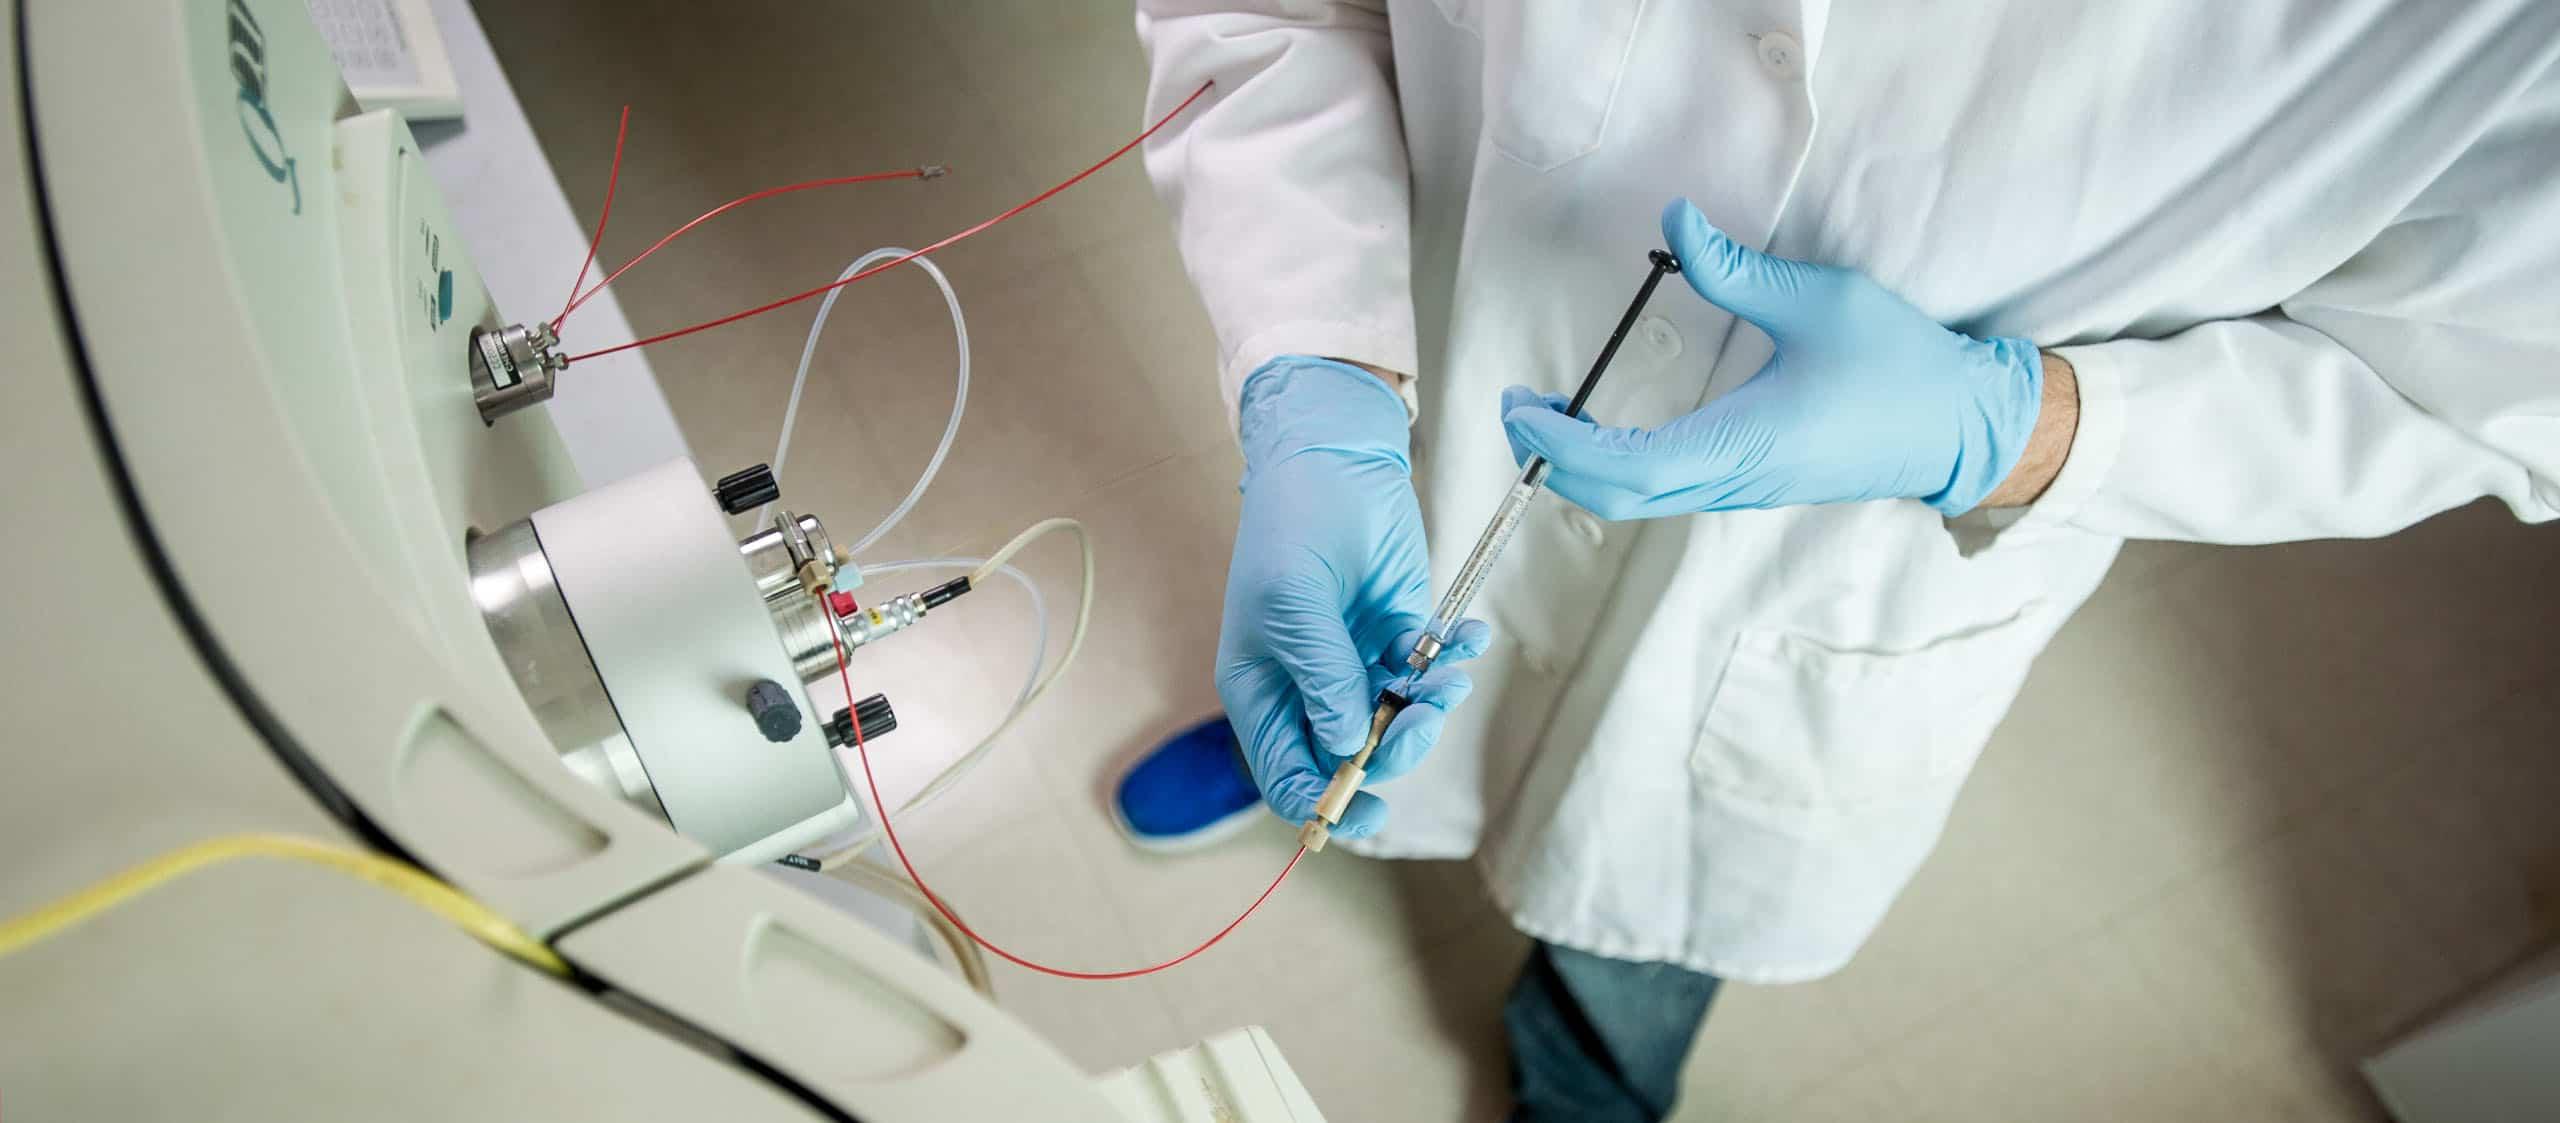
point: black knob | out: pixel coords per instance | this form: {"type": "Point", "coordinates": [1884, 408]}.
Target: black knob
{"type": "Point", "coordinates": [873, 712]}
{"type": "Point", "coordinates": [777, 716]}
{"type": "Point", "coordinates": [746, 489]}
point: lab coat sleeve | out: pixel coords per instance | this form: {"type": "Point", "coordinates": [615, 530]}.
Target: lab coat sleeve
{"type": "Point", "coordinates": [1287, 182]}
{"type": "Point", "coordinates": [2421, 374]}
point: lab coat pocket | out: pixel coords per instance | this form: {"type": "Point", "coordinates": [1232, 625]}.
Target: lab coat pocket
{"type": "Point", "coordinates": [1551, 71]}
{"type": "Point", "coordinates": [1800, 723]}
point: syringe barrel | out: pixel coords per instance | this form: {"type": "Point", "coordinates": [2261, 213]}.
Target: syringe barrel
{"type": "Point", "coordinates": [1479, 564]}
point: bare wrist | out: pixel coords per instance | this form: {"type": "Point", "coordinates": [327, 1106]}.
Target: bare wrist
{"type": "Point", "coordinates": [2057, 421]}
{"type": "Point", "coordinates": [1395, 380]}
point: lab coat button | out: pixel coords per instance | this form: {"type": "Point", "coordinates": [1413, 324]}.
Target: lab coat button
{"type": "Point", "coordinates": [1780, 54]}
{"type": "Point", "coordinates": [1585, 527]}
{"type": "Point", "coordinates": [1660, 335]}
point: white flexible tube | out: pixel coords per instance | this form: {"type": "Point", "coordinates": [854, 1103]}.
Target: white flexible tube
{"type": "Point", "coordinates": [957, 948]}
{"type": "Point", "coordinates": [959, 392]}
{"type": "Point", "coordinates": [952, 773]}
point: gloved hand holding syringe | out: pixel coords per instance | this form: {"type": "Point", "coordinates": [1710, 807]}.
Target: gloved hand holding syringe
{"type": "Point", "coordinates": [1392, 700]}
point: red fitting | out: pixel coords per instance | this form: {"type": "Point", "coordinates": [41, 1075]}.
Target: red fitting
{"type": "Point", "coordinates": [843, 604]}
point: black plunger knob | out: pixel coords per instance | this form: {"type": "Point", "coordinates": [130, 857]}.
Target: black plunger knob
{"type": "Point", "coordinates": [873, 712]}
{"type": "Point", "coordinates": [746, 489]}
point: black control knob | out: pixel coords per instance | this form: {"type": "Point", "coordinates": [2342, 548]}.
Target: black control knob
{"type": "Point", "coordinates": [746, 489]}
{"type": "Point", "coordinates": [777, 716]}
{"type": "Point", "coordinates": [873, 712]}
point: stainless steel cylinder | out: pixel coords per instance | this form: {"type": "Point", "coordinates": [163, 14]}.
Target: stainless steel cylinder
{"type": "Point", "coordinates": [520, 601]}
{"type": "Point", "coordinates": [807, 636]}
{"type": "Point", "coordinates": [513, 367]}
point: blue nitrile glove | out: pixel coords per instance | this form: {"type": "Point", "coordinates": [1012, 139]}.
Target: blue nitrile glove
{"type": "Point", "coordinates": [1863, 398]}
{"type": "Point", "coordinates": [1328, 589]}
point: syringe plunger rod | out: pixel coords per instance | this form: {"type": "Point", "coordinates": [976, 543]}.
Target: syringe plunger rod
{"type": "Point", "coordinates": [1533, 479]}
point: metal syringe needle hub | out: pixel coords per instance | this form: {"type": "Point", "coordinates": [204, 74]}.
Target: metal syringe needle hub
{"type": "Point", "coordinates": [1470, 580]}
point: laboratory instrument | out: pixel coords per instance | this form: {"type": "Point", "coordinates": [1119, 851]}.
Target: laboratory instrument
{"type": "Point", "coordinates": [1471, 575]}
{"type": "Point", "coordinates": [302, 555]}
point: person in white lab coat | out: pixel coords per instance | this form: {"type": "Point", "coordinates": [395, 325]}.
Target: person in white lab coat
{"type": "Point", "coordinates": [2079, 272]}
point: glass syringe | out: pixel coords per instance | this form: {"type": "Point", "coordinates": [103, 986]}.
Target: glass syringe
{"type": "Point", "coordinates": [1470, 580]}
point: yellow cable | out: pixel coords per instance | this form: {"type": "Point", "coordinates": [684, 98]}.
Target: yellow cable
{"type": "Point", "coordinates": [397, 876]}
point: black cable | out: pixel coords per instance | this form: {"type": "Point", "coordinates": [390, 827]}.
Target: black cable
{"type": "Point", "coordinates": [653, 1016]}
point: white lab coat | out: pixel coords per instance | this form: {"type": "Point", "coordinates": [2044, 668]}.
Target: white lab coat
{"type": "Point", "coordinates": [2305, 255]}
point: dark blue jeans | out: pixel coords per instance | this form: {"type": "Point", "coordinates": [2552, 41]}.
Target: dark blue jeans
{"type": "Point", "coordinates": [1600, 1040]}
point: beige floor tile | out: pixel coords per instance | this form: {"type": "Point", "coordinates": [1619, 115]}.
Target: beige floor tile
{"type": "Point", "coordinates": [1025, 888]}
{"type": "Point", "coordinates": [1058, 409]}
{"type": "Point", "coordinates": [1765, 1049]}
{"type": "Point", "coordinates": [2466, 833]}
{"type": "Point", "coordinates": [2304, 1090]}
{"type": "Point", "coordinates": [1865, 1094]}
{"type": "Point", "coordinates": [2147, 563]}
{"type": "Point", "coordinates": [2129, 760]}
{"type": "Point", "coordinates": [1420, 1043]}
{"type": "Point", "coordinates": [1975, 910]}
{"type": "Point", "coordinates": [1021, 56]}
{"type": "Point", "coordinates": [2354, 652]}
{"type": "Point", "coordinates": [2074, 1036]}
{"type": "Point", "coordinates": [1149, 299]}
{"type": "Point", "coordinates": [707, 126]}
{"type": "Point", "coordinates": [2516, 778]}
{"type": "Point", "coordinates": [2298, 957]}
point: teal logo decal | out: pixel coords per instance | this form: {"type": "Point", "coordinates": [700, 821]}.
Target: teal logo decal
{"type": "Point", "coordinates": [257, 122]}
{"type": "Point", "coordinates": [435, 287]}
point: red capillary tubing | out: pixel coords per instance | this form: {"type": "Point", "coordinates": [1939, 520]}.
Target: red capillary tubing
{"type": "Point", "coordinates": [611, 180]}
{"type": "Point", "coordinates": [891, 830]}
{"type": "Point", "coordinates": [928, 172]}
{"type": "Point", "coordinates": [893, 263]}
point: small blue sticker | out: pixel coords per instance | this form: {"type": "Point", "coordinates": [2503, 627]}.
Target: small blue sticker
{"type": "Point", "coordinates": [444, 296]}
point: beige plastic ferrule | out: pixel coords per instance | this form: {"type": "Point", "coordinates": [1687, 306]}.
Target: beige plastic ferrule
{"type": "Point", "coordinates": [1346, 779]}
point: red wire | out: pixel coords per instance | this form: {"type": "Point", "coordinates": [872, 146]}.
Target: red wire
{"type": "Point", "coordinates": [885, 266]}
{"type": "Point", "coordinates": [610, 180]}
{"type": "Point", "coordinates": [715, 212]}
{"type": "Point", "coordinates": [864, 751]}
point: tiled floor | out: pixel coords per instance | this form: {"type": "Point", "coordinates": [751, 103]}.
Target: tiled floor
{"type": "Point", "coordinates": [2257, 811]}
